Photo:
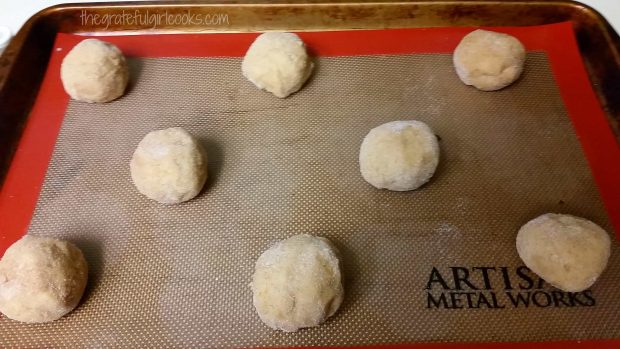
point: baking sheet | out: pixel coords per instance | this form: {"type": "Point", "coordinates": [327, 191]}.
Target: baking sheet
{"type": "Point", "coordinates": [177, 276]}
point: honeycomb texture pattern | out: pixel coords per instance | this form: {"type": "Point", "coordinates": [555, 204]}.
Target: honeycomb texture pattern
{"type": "Point", "coordinates": [177, 276]}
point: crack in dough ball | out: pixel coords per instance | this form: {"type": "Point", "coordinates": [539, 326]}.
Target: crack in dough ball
{"type": "Point", "coordinates": [169, 166]}
{"type": "Point", "coordinates": [278, 63]}
{"type": "Point", "coordinates": [568, 252]}
{"type": "Point", "coordinates": [95, 72]}
{"type": "Point", "coordinates": [41, 279]}
{"type": "Point", "coordinates": [399, 155]}
{"type": "Point", "coordinates": [297, 283]}
{"type": "Point", "coordinates": [488, 60]}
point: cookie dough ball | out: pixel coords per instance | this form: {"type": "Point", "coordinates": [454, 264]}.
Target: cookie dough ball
{"type": "Point", "coordinates": [41, 279]}
{"type": "Point", "coordinates": [566, 251]}
{"type": "Point", "coordinates": [94, 71]}
{"type": "Point", "coordinates": [278, 63]}
{"type": "Point", "coordinates": [169, 166]}
{"type": "Point", "coordinates": [399, 155]}
{"type": "Point", "coordinates": [488, 60]}
{"type": "Point", "coordinates": [297, 283]}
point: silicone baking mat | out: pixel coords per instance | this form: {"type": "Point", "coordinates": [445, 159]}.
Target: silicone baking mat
{"type": "Point", "coordinates": [435, 264]}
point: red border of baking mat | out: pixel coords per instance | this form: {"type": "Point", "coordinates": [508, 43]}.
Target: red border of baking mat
{"type": "Point", "coordinates": [19, 194]}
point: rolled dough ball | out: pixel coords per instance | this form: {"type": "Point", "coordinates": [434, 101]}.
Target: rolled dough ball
{"type": "Point", "coordinates": [41, 279]}
{"type": "Point", "coordinates": [297, 283]}
{"type": "Point", "coordinates": [568, 252]}
{"type": "Point", "coordinates": [488, 60]}
{"type": "Point", "coordinates": [94, 71]}
{"type": "Point", "coordinates": [399, 155]}
{"type": "Point", "coordinates": [169, 166]}
{"type": "Point", "coordinates": [278, 63]}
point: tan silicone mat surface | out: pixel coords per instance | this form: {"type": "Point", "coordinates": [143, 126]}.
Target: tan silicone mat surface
{"type": "Point", "coordinates": [177, 276]}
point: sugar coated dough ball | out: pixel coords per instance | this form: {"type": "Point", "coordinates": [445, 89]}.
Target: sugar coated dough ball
{"type": "Point", "coordinates": [94, 71]}
{"type": "Point", "coordinates": [278, 63]}
{"type": "Point", "coordinates": [566, 251]}
{"type": "Point", "coordinates": [169, 166]}
{"type": "Point", "coordinates": [488, 60]}
{"type": "Point", "coordinates": [297, 283]}
{"type": "Point", "coordinates": [41, 279]}
{"type": "Point", "coordinates": [399, 155]}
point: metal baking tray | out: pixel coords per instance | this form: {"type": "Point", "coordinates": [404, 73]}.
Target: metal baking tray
{"type": "Point", "coordinates": [369, 228]}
